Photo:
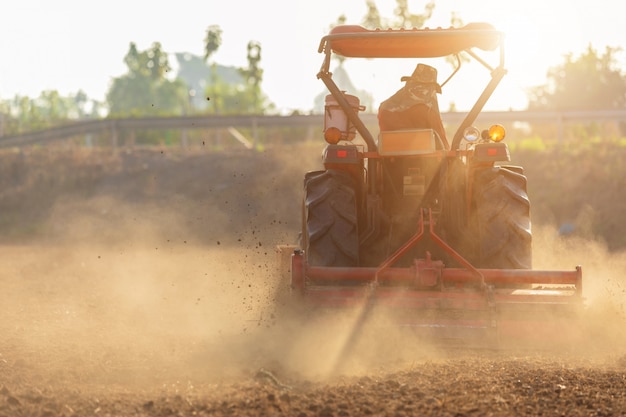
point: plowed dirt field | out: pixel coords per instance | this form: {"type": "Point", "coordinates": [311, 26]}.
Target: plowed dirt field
{"type": "Point", "coordinates": [142, 283]}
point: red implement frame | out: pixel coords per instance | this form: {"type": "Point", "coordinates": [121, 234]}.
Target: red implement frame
{"type": "Point", "coordinates": [449, 302]}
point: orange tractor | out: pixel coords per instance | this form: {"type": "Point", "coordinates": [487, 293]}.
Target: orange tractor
{"type": "Point", "coordinates": [435, 229]}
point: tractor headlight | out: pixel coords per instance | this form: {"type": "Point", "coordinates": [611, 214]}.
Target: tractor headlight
{"type": "Point", "coordinates": [471, 134]}
{"type": "Point", "coordinates": [496, 133]}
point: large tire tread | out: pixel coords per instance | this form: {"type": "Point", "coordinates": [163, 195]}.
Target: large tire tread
{"type": "Point", "coordinates": [501, 219]}
{"type": "Point", "coordinates": [330, 219]}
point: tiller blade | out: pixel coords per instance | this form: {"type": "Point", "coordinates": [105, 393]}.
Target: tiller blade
{"type": "Point", "coordinates": [492, 307]}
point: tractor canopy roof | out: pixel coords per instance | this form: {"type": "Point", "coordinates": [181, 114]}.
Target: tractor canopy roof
{"type": "Point", "coordinates": [357, 42]}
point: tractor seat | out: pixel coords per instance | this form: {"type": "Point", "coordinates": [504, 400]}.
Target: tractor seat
{"type": "Point", "coordinates": [415, 105]}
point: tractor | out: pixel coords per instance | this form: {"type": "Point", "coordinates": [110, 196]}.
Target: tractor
{"type": "Point", "coordinates": [433, 226]}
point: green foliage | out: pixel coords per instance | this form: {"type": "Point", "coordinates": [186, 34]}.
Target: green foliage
{"type": "Point", "coordinates": [144, 90]}
{"type": "Point", "coordinates": [403, 18]}
{"type": "Point", "coordinates": [226, 98]}
{"type": "Point", "coordinates": [406, 19]}
{"type": "Point", "coordinates": [589, 81]}
{"type": "Point", "coordinates": [253, 75]}
{"type": "Point", "coordinates": [233, 97]}
{"type": "Point", "coordinates": [372, 19]}
{"type": "Point", "coordinates": [534, 143]}
{"type": "Point", "coordinates": [212, 41]}
{"type": "Point", "coordinates": [22, 113]}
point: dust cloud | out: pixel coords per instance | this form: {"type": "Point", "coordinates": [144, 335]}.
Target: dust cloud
{"type": "Point", "coordinates": [186, 289]}
{"type": "Point", "coordinates": [120, 298]}
{"type": "Point", "coordinates": [163, 274]}
{"type": "Point", "coordinates": [146, 309]}
{"type": "Point", "coordinates": [603, 319]}
{"type": "Point", "coordinates": [102, 312]}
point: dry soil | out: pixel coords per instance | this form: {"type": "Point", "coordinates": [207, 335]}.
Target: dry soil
{"type": "Point", "coordinates": [142, 283]}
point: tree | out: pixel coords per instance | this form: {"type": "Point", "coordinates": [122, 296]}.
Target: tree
{"type": "Point", "coordinates": [144, 89]}
{"type": "Point", "coordinates": [212, 42]}
{"type": "Point", "coordinates": [406, 19]}
{"type": "Point", "coordinates": [80, 102]}
{"type": "Point", "coordinates": [50, 108]}
{"type": "Point", "coordinates": [590, 81]}
{"type": "Point", "coordinates": [234, 96]}
{"type": "Point", "coordinates": [403, 16]}
{"type": "Point", "coordinates": [253, 76]}
{"type": "Point", "coordinates": [150, 63]}
{"type": "Point", "coordinates": [372, 19]}
{"type": "Point", "coordinates": [254, 73]}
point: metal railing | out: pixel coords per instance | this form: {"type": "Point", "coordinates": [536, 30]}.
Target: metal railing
{"type": "Point", "coordinates": [113, 127]}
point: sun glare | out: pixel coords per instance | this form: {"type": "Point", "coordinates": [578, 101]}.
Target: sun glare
{"type": "Point", "coordinates": [537, 37]}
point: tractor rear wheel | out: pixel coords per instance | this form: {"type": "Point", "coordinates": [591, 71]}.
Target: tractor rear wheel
{"type": "Point", "coordinates": [330, 233]}
{"type": "Point", "coordinates": [500, 219]}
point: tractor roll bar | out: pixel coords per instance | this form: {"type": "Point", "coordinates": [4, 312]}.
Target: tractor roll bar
{"type": "Point", "coordinates": [358, 42]}
{"type": "Point", "coordinates": [355, 41]}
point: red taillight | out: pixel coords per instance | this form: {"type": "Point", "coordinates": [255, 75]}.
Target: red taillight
{"type": "Point", "coordinates": [338, 154]}
{"type": "Point", "coordinates": [492, 151]}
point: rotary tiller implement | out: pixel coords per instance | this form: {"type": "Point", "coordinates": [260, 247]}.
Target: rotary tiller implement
{"type": "Point", "coordinates": [435, 232]}
{"type": "Point", "coordinates": [477, 307]}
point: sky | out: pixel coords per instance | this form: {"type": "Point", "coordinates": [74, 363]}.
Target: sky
{"type": "Point", "coordinates": [69, 45]}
